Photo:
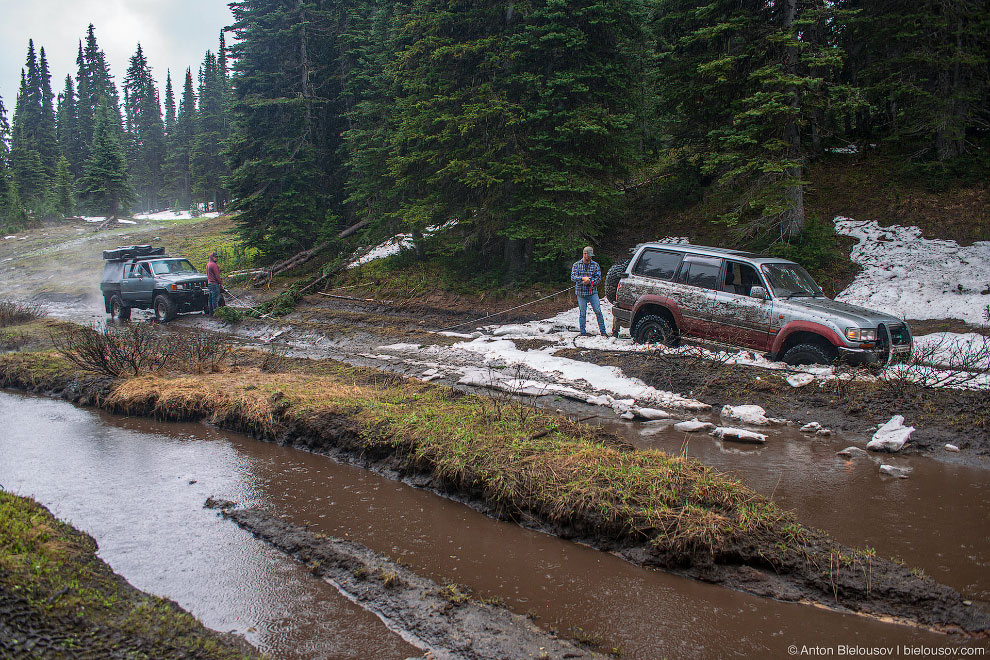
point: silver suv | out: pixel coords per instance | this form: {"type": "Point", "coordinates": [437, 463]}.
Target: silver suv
{"type": "Point", "coordinates": [670, 290]}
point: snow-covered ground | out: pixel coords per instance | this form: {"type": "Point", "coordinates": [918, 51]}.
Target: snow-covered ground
{"type": "Point", "coordinates": [914, 277]}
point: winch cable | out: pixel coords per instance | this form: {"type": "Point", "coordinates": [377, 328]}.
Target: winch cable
{"type": "Point", "coordinates": [552, 295]}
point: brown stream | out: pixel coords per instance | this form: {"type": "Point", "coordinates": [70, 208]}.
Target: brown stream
{"type": "Point", "coordinates": [138, 487]}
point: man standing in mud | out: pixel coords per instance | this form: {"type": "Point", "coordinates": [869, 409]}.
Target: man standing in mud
{"type": "Point", "coordinates": [213, 284]}
{"type": "Point", "coordinates": [586, 274]}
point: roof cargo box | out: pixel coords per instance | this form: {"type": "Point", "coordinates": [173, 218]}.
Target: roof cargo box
{"type": "Point", "coordinates": [132, 251]}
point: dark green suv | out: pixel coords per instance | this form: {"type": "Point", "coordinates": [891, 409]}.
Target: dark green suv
{"type": "Point", "coordinates": [144, 277]}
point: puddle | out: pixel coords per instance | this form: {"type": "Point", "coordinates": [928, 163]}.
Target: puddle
{"type": "Point", "coordinates": [127, 482]}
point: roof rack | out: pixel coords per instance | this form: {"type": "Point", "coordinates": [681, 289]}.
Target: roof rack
{"type": "Point", "coordinates": [132, 252]}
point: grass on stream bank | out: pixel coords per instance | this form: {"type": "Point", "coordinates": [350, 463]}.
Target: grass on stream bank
{"type": "Point", "coordinates": [57, 598]}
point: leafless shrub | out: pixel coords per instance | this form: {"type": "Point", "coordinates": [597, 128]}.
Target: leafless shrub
{"type": "Point", "coordinates": [135, 348]}
{"type": "Point", "coordinates": [127, 350]}
{"type": "Point", "coordinates": [946, 362]}
{"type": "Point", "coordinates": [12, 313]}
{"type": "Point", "coordinates": [503, 399]}
{"type": "Point", "coordinates": [707, 367]}
{"type": "Point", "coordinates": [276, 358]}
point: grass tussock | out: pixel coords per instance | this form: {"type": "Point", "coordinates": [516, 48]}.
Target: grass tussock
{"type": "Point", "coordinates": [67, 599]}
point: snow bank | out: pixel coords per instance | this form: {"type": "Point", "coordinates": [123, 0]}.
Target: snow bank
{"type": "Point", "coordinates": [891, 436]}
{"type": "Point", "coordinates": [607, 380]}
{"type": "Point", "coordinates": [173, 215]}
{"type": "Point", "coordinates": [910, 276]}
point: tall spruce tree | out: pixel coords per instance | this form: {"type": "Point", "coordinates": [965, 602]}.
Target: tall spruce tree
{"type": "Point", "coordinates": [924, 68]}
{"type": "Point", "coordinates": [66, 122]}
{"type": "Point", "coordinates": [206, 162]}
{"type": "Point", "coordinates": [177, 189]}
{"type": "Point", "coordinates": [105, 187]}
{"type": "Point", "coordinates": [284, 154]}
{"type": "Point", "coordinates": [145, 131]}
{"type": "Point", "coordinates": [12, 213]}
{"type": "Point", "coordinates": [169, 104]}
{"type": "Point", "coordinates": [741, 83]}
{"type": "Point", "coordinates": [26, 162]}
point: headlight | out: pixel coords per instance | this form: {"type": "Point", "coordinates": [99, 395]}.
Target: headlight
{"type": "Point", "coordinates": [861, 334]}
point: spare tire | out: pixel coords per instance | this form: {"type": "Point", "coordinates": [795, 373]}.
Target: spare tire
{"type": "Point", "coordinates": [612, 280]}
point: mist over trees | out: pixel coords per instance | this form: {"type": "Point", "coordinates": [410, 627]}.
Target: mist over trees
{"type": "Point", "coordinates": [523, 127]}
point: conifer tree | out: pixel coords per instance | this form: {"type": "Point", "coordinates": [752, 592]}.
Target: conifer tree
{"type": "Point", "coordinates": [145, 131]}
{"type": "Point", "coordinates": [26, 163]}
{"type": "Point", "coordinates": [12, 213]}
{"type": "Point", "coordinates": [169, 105]}
{"type": "Point", "coordinates": [285, 158]}
{"type": "Point", "coordinates": [66, 122]}
{"type": "Point", "coordinates": [63, 201]}
{"type": "Point", "coordinates": [177, 178]}
{"type": "Point", "coordinates": [206, 162]}
{"type": "Point", "coordinates": [105, 187]}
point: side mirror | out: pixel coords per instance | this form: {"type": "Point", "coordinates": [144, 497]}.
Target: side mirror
{"type": "Point", "coordinates": [758, 292]}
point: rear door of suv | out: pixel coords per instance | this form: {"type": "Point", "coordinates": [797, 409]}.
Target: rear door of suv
{"type": "Point", "coordinates": [694, 292]}
{"type": "Point", "coordinates": [740, 319]}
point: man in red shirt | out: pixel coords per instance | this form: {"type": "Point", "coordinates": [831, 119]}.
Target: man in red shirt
{"type": "Point", "coordinates": [213, 283]}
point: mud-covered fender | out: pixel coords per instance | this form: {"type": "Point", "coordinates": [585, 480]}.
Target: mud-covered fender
{"type": "Point", "coordinates": [659, 301]}
{"type": "Point", "coordinates": [805, 326]}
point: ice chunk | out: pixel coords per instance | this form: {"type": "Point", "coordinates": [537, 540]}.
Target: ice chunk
{"type": "Point", "coordinates": [800, 380]}
{"type": "Point", "coordinates": [753, 415]}
{"type": "Point", "coordinates": [951, 447]}
{"type": "Point", "coordinates": [738, 435]}
{"type": "Point", "coordinates": [852, 452]}
{"type": "Point", "coordinates": [650, 413]}
{"type": "Point", "coordinates": [893, 471]}
{"type": "Point", "coordinates": [891, 436]}
{"type": "Point", "coordinates": [692, 426]}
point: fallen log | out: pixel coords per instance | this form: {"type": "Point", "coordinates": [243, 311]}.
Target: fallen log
{"type": "Point", "coordinates": [265, 276]}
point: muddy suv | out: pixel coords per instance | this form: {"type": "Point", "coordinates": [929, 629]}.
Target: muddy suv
{"type": "Point", "coordinates": [671, 290]}
{"type": "Point", "coordinates": [145, 277]}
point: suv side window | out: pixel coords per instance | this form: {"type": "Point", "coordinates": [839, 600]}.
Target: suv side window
{"type": "Point", "coordinates": [658, 264]}
{"type": "Point", "coordinates": [739, 278]}
{"type": "Point", "coordinates": [700, 271]}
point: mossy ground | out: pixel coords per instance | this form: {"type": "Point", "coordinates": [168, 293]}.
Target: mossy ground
{"type": "Point", "coordinates": [58, 598]}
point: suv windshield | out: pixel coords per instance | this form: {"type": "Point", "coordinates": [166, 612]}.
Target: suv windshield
{"type": "Point", "coordinates": [171, 266]}
{"type": "Point", "coordinates": [789, 280]}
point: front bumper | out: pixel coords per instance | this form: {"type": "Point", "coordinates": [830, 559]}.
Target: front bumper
{"type": "Point", "coordinates": [856, 356]}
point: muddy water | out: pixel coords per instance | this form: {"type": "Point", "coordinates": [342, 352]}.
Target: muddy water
{"type": "Point", "coordinates": [938, 519]}
{"type": "Point", "coordinates": [127, 482]}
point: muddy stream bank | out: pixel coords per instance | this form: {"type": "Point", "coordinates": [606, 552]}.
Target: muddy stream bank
{"type": "Point", "coordinates": [138, 487]}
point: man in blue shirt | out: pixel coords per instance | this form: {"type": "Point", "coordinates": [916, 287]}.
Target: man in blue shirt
{"type": "Point", "coordinates": [586, 274]}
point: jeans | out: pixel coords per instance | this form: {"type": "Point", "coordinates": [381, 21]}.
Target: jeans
{"type": "Point", "coordinates": [583, 311]}
{"type": "Point", "coordinates": [211, 304]}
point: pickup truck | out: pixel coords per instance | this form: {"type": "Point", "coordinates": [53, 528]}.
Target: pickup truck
{"type": "Point", "coordinates": [144, 277]}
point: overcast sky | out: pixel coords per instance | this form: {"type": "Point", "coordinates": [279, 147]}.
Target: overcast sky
{"type": "Point", "coordinates": [174, 34]}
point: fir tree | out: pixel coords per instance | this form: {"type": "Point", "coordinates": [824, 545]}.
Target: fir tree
{"type": "Point", "coordinates": [177, 188]}
{"type": "Point", "coordinates": [206, 163]}
{"type": "Point", "coordinates": [169, 105]}
{"type": "Point", "coordinates": [145, 131]}
{"type": "Point", "coordinates": [62, 203]}
{"type": "Point", "coordinates": [105, 187]}
{"type": "Point", "coordinates": [285, 158]}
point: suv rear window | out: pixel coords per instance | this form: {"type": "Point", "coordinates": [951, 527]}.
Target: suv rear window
{"type": "Point", "coordinates": [654, 263]}
{"type": "Point", "coordinates": [700, 271]}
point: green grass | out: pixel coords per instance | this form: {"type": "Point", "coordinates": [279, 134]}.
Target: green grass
{"type": "Point", "coordinates": [53, 568]}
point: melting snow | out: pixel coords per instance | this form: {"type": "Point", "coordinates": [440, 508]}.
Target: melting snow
{"type": "Point", "coordinates": [752, 415]}
{"type": "Point", "coordinates": [738, 435]}
{"type": "Point", "coordinates": [910, 276]}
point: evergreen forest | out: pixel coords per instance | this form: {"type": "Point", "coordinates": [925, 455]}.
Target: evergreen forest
{"type": "Point", "coordinates": [525, 129]}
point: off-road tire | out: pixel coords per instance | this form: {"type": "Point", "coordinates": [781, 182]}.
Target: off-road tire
{"type": "Point", "coordinates": [164, 309]}
{"type": "Point", "coordinates": [118, 310]}
{"type": "Point", "coordinates": [612, 280]}
{"type": "Point", "coordinates": [654, 329]}
{"type": "Point", "coordinates": [806, 354]}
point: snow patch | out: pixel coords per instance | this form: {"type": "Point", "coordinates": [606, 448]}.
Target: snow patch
{"type": "Point", "coordinates": [894, 471]}
{"type": "Point", "coordinates": [800, 380]}
{"type": "Point", "coordinates": [951, 447]}
{"type": "Point", "coordinates": [907, 275]}
{"type": "Point", "coordinates": [395, 245]}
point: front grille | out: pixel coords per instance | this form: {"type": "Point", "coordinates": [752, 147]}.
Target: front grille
{"type": "Point", "coordinates": [899, 335]}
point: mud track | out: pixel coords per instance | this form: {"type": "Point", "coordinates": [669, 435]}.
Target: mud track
{"type": "Point", "coordinates": [813, 570]}
{"type": "Point", "coordinates": [443, 619]}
